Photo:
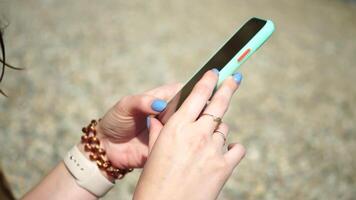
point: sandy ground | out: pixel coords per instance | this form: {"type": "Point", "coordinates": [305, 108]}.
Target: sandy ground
{"type": "Point", "coordinates": [295, 111]}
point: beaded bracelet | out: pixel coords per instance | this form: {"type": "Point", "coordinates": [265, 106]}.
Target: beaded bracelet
{"type": "Point", "coordinates": [97, 154]}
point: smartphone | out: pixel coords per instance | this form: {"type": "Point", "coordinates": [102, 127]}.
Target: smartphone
{"type": "Point", "coordinates": [247, 40]}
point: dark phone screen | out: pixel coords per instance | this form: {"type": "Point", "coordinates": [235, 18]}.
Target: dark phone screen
{"type": "Point", "coordinates": [219, 60]}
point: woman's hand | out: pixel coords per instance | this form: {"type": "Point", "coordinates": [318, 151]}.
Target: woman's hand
{"type": "Point", "coordinates": [188, 160]}
{"type": "Point", "coordinates": [124, 136]}
{"type": "Point", "coordinates": [123, 129]}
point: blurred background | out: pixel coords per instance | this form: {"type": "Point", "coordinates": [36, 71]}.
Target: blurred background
{"type": "Point", "coordinates": [295, 111]}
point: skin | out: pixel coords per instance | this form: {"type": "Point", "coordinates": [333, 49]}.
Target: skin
{"type": "Point", "coordinates": [124, 136]}
{"type": "Point", "coordinates": [187, 160]}
{"type": "Point", "coordinates": [184, 156]}
{"type": "Point", "coordinates": [123, 129]}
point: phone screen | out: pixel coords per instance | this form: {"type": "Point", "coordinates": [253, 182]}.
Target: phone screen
{"type": "Point", "coordinates": [218, 61]}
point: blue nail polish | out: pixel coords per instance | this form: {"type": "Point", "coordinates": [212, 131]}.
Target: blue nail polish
{"type": "Point", "coordinates": [237, 77]}
{"type": "Point", "coordinates": [158, 105]}
{"type": "Point", "coordinates": [216, 71]}
{"type": "Point", "coordinates": [148, 122]}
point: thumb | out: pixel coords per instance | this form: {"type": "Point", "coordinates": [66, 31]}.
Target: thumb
{"type": "Point", "coordinates": [142, 104]}
{"type": "Point", "coordinates": [154, 126]}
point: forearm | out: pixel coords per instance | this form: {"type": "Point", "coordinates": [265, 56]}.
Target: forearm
{"type": "Point", "coordinates": [59, 184]}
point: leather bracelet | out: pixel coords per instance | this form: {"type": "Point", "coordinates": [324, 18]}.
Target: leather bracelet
{"type": "Point", "coordinates": [87, 171]}
{"type": "Point", "coordinates": [86, 174]}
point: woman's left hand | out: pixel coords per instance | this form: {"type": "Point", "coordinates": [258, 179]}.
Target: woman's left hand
{"type": "Point", "coordinates": [123, 129]}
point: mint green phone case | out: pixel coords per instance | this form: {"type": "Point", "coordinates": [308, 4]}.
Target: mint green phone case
{"type": "Point", "coordinates": [225, 71]}
{"type": "Point", "coordinates": [256, 42]}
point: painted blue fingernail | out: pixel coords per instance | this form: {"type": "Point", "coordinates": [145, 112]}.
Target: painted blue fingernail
{"type": "Point", "coordinates": [148, 122]}
{"type": "Point", "coordinates": [216, 71]}
{"type": "Point", "coordinates": [237, 77]}
{"type": "Point", "coordinates": [158, 105]}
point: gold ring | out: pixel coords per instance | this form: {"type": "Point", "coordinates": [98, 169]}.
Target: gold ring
{"type": "Point", "coordinates": [222, 134]}
{"type": "Point", "coordinates": [215, 118]}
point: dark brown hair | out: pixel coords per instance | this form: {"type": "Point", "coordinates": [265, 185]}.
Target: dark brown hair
{"type": "Point", "coordinates": [3, 63]}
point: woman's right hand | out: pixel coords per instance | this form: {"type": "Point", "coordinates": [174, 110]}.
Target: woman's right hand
{"type": "Point", "coordinates": [188, 160]}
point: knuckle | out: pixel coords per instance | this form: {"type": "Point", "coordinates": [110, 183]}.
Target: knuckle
{"type": "Point", "coordinates": [224, 127]}
{"type": "Point", "coordinates": [203, 88]}
{"type": "Point", "coordinates": [209, 77]}
{"type": "Point", "coordinates": [203, 138]}
{"type": "Point", "coordinates": [211, 150]}
{"type": "Point", "coordinates": [221, 101]}
{"type": "Point", "coordinates": [239, 149]}
{"type": "Point", "coordinates": [199, 141]}
{"type": "Point", "coordinates": [228, 88]}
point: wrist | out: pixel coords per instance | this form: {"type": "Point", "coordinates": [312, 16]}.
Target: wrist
{"type": "Point", "coordinates": [116, 153]}
{"type": "Point", "coordinates": [96, 145]}
{"type": "Point", "coordinates": [88, 164]}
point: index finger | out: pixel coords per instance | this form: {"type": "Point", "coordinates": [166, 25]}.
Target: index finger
{"type": "Point", "coordinates": [199, 96]}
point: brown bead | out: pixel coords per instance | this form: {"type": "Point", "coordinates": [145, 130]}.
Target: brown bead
{"type": "Point", "coordinates": [110, 169]}
{"type": "Point", "coordinates": [111, 174]}
{"type": "Point", "coordinates": [102, 157]}
{"type": "Point", "coordinates": [91, 128]}
{"type": "Point", "coordinates": [106, 165]}
{"type": "Point", "coordinates": [84, 130]}
{"type": "Point", "coordinates": [114, 171]}
{"type": "Point", "coordinates": [95, 140]}
{"type": "Point", "coordinates": [95, 147]}
{"type": "Point", "coordinates": [93, 157]}
{"type": "Point", "coordinates": [87, 147]}
{"type": "Point", "coordinates": [93, 121]}
{"type": "Point", "coordinates": [84, 138]}
{"type": "Point", "coordinates": [89, 138]}
{"type": "Point", "coordinates": [101, 152]}
{"type": "Point", "coordinates": [120, 176]}
{"type": "Point", "coordinates": [99, 163]}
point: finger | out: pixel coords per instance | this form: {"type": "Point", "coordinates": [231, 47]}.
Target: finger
{"type": "Point", "coordinates": [201, 93]}
{"type": "Point", "coordinates": [165, 92]}
{"type": "Point", "coordinates": [141, 104]}
{"type": "Point", "coordinates": [155, 128]}
{"type": "Point", "coordinates": [234, 154]}
{"type": "Point", "coordinates": [220, 135]}
{"type": "Point", "coordinates": [220, 101]}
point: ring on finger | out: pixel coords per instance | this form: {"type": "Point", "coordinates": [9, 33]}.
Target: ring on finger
{"type": "Point", "coordinates": [215, 118]}
{"type": "Point", "coordinates": [221, 134]}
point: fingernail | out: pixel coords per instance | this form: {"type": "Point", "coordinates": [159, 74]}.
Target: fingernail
{"type": "Point", "coordinates": [237, 77]}
{"type": "Point", "coordinates": [148, 122]}
{"type": "Point", "coordinates": [158, 105]}
{"type": "Point", "coordinates": [216, 71]}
